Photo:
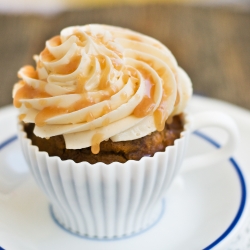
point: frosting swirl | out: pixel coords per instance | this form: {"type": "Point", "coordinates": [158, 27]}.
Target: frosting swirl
{"type": "Point", "coordinates": [96, 82]}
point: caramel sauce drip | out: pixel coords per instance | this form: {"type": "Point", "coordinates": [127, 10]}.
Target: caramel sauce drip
{"type": "Point", "coordinates": [95, 143]}
{"type": "Point", "coordinates": [105, 94]}
{"type": "Point", "coordinates": [47, 56]}
{"type": "Point", "coordinates": [70, 67]}
{"type": "Point", "coordinates": [161, 71]}
{"type": "Point", "coordinates": [160, 114]}
{"type": "Point", "coordinates": [80, 81]}
{"type": "Point", "coordinates": [80, 104]}
{"type": "Point", "coordinates": [28, 92]}
{"type": "Point", "coordinates": [102, 61]}
{"type": "Point", "coordinates": [106, 109]}
{"type": "Point", "coordinates": [132, 72]}
{"type": "Point", "coordinates": [28, 105]}
{"type": "Point", "coordinates": [21, 117]}
{"type": "Point", "coordinates": [98, 38]}
{"type": "Point", "coordinates": [80, 36]}
{"type": "Point", "coordinates": [83, 102]}
{"type": "Point", "coordinates": [144, 107]}
{"type": "Point", "coordinates": [52, 111]}
{"type": "Point", "coordinates": [42, 102]}
{"type": "Point", "coordinates": [117, 63]}
{"type": "Point", "coordinates": [147, 103]}
{"type": "Point", "coordinates": [39, 64]}
{"type": "Point", "coordinates": [55, 41]}
{"type": "Point", "coordinates": [106, 122]}
{"type": "Point", "coordinates": [90, 117]}
{"type": "Point", "coordinates": [124, 96]}
{"type": "Point", "coordinates": [105, 72]}
{"type": "Point", "coordinates": [47, 113]}
{"type": "Point", "coordinates": [112, 89]}
{"type": "Point", "coordinates": [29, 71]}
{"type": "Point", "coordinates": [125, 78]}
{"type": "Point", "coordinates": [110, 46]}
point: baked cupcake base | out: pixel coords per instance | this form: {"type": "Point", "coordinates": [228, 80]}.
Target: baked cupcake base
{"type": "Point", "coordinates": [111, 151]}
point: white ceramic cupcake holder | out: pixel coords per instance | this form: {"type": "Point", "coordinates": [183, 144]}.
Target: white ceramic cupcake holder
{"type": "Point", "coordinates": [119, 199]}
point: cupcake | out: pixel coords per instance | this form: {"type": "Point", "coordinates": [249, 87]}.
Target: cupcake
{"type": "Point", "coordinates": [102, 127]}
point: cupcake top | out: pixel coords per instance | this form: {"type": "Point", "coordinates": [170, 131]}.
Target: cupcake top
{"type": "Point", "coordinates": [98, 82]}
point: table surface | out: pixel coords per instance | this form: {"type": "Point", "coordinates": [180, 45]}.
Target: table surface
{"type": "Point", "coordinates": [211, 43]}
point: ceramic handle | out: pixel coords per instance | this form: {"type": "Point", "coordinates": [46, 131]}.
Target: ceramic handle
{"type": "Point", "coordinates": [212, 119]}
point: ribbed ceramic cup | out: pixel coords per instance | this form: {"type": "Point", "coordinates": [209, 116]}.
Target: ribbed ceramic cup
{"type": "Point", "coordinates": [119, 199]}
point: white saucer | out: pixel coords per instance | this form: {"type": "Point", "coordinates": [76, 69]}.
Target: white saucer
{"type": "Point", "coordinates": [202, 210]}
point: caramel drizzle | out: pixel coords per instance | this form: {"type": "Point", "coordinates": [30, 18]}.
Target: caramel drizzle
{"type": "Point", "coordinates": [106, 109]}
{"type": "Point", "coordinates": [47, 56]}
{"type": "Point", "coordinates": [160, 114]}
{"type": "Point", "coordinates": [81, 37]}
{"type": "Point", "coordinates": [70, 67]}
{"type": "Point", "coordinates": [147, 104]}
{"type": "Point", "coordinates": [55, 41]}
{"type": "Point", "coordinates": [90, 117]}
{"type": "Point", "coordinates": [95, 143]}
{"type": "Point", "coordinates": [106, 122]}
{"type": "Point", "coordinates": [80, 82]}
{"type": "Point", "coordinates": [103, 84]}
{"type": "Point", "coordinates": [124, 96]}
{"type": "Point", "coordinates": [54, 110]}
{"type": "Point", "coordinates": [28, 105]}
{"type": "Point", "coordinates": [29, 71]}
{"type": "Point", "coordinates": [47, 113]}
{"type": "Point", "coordinates": [21, 117]}
{"type": "Point", "coordinates": [144, 108]}
{"type": "Point", "coordinates": [28, 92]}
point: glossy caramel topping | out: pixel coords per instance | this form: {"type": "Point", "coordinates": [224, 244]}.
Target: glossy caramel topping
{"type": "Point", "coordinates": [101, 78]}
{"type": "Point", "coordinates": [29, 71]}
{"type": "Point", "coordinates": [80, 36]}
{"type": "Point", "coordinates": [124, 96]}
{"type": "Point", "coordinates": [28, 105]}
{"type": "Point", "coordinates": [21, 116]}
{"type": "Point", "coordinates": [69, 67]}
{"type": "Point", "coordinates": [146, 106]}
{"type": "Point", "coordinates": [106, 109]}
{"type": "Point", "coordinates": [55, 41]}
{"type": "Point", "coordinates": [90, 117]}
{"type": "Point", "coordinates": [80, 82]}
{"type": "Point", "coordinates": [28, 92]}
{"type": "Point", "coordinates": [106, 122]}
{"type": "Point", "coordinates": [95, 143]}
{"type": "Point", "coordinates": [47, 113]}
{"type": "Point", "coordinates": [47, 56]}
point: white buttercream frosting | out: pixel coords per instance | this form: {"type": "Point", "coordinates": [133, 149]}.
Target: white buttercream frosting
{"type": "Point", "coordinates": [96, 82]}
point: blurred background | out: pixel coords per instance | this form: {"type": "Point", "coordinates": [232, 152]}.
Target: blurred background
{"type": "Point", "coordinates": [210, 39]}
